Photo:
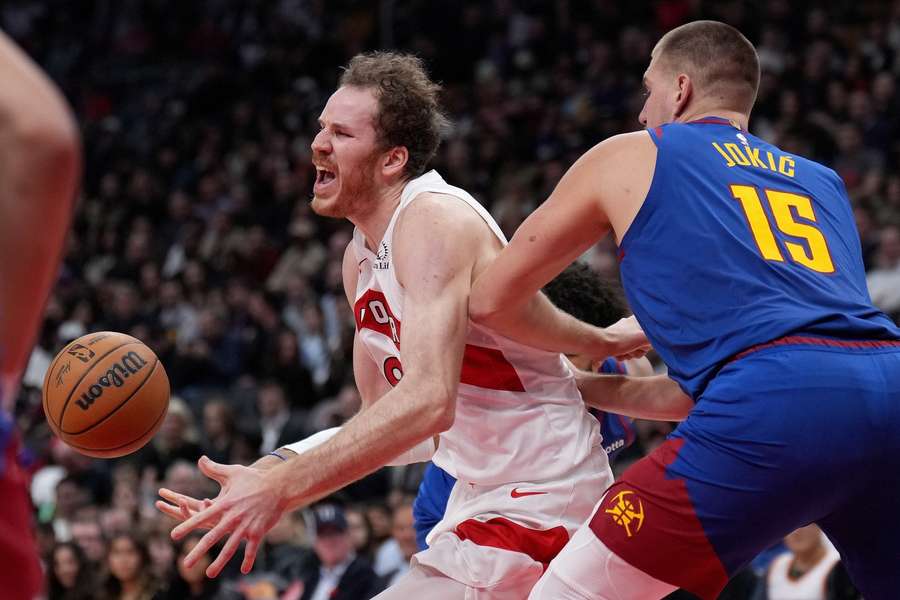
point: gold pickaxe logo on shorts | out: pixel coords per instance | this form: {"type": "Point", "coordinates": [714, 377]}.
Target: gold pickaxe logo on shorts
{"type": "Point", "coordinates": [627, 512]}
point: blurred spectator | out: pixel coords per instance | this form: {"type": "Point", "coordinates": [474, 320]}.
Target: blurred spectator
{"type": "Point", "coordinates": [335, 572]}
{"type": "Point", "coordinates": [360, 531]}
{"type": "Point", "coordinates": [285, 548]}
{"type": "Point", "coordinates": [176, 440]}
{"type": "Point", "coordinates": [388, 555]}
{"type": "Point", "coordinates": [71, 495]}
{"type": "Point", "coordinates": [88, 534]}
{"type": "Point", "coordinates": [884, 279]}
{"type": "Point", "coordinates": [801, 573]}
{"type": "Point", "coordinates": [69, 576]}
{"type": "Point", "coordinates": [191, 583]}
{"type": "Point", "coordinates": [404, 534]}
{"type": "Point", "coordinates": [279, 425]}
{"type": "Point", "coordinates": [130, 575]}
{"type": "Point", "coordinates": [218, 430]}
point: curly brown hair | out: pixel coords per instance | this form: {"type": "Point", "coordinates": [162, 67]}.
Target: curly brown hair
{"type": "Point", "coordinates": [409, 113]}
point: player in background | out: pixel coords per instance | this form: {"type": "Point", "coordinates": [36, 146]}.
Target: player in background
{"type": "Point", "coordinates": [743, 264]}
{"type": "Point", "coordinates": [512, 425]}
{"type": "Point", "coordinates": [39, 172]}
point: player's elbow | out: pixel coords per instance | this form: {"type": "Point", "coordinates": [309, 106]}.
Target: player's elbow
{"type": "Point", "coordinates": [49, 145]}
{"type": "Point", "coordinates": [440, 410]}
{"type": "Point", "coordinates": [484, 311]}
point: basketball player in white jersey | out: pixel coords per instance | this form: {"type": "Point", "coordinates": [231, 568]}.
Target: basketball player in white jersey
{"type": "Point", "coordinates": [39, 165]}
{"type": "Point", "coordinates": [507, 418]}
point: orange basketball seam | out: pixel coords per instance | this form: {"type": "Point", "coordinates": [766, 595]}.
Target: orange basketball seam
{"type": "Point", "coordinates": [161, 415]}
{"type": "Point", "coordinates": [86, 371]}
{"type": "Point", "coordinates": [121, 404]}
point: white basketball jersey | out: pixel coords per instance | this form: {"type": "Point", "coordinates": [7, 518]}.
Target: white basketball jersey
{"type": "Point", "coordinates": [809, 586]}
{"type": "Point", "coordinates": [519, 415]}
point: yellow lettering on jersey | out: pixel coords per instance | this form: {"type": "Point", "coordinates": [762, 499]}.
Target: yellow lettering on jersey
{"type": "Point", "coordinates": [736, 154]}
{"type": "Point", "coordinates": [727, 158]}
{"type": "Point", "coordinates": [771, 160]}
{"type": "Point", "coordinates": [786, 166]}
{"type": "Point", "coordinates": [753, 153]}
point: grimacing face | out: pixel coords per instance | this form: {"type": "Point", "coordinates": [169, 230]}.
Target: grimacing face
{"type": "Point", "coordinates": [345, 152]}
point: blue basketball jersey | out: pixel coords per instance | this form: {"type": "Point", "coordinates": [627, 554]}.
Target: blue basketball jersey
{"type": "Point", "coordinates": [617, 430]}
{"type": "Point", "coordinates": [740, 243]}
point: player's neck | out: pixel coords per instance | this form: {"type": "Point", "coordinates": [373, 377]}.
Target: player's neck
{"type": "Point", "coordinates": [705, 111]}
{"type": "Point", "coordinates": [805, 561]}
{"type": "Point", "coordinates": [374, 223]}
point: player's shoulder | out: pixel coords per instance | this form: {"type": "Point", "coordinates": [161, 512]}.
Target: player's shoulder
{"type": "Point", "coordinates": [438, 212]}
{"type": "Point", "coordinates": [631, 142]}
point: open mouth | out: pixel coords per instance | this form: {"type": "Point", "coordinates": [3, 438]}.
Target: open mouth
{"type": "Point", "coordinates": [324, 178]}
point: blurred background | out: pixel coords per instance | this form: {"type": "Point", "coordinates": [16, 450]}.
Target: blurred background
{"type": "Point", "coordinates": [194, 233]}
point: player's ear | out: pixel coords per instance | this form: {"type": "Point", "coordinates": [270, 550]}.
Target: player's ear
{"type": "Point", "coordinates": [683, 93]}
{"type": "Point", "coordinates": [395, 161]}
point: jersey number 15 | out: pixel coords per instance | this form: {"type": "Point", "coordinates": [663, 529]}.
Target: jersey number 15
{"type": "Point", "coordinates": [813, 255]}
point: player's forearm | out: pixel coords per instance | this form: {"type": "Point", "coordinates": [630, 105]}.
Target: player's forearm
{"type": "Point", "coordinates": [538, 323]}
{"type": "Point", "coordinates": [421, 452]}
{"type": "Point", "coordinates": [408, 415]}
{"type": "Point", "coordinates": [657, 398]}
{"type": "Point", "coordinates": [39, 165]}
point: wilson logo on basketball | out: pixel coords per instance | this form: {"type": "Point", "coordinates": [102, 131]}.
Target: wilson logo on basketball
{"type": "Point", "coordinates": [127, 366]}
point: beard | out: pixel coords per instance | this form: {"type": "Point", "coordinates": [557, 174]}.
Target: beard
{"type": "Point", "coordinates": [357, 190]}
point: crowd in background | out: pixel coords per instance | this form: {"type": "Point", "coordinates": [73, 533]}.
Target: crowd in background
{"type": "Point", "coordinates": [194, 231]}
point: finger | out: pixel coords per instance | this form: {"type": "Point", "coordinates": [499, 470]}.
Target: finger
{"type": "Point", "coordinates": [206, 542]}
{"type": "Point", "coordinates": [227, 552]}
{"type": "Point", "coordinates": [185, 511]}
{"type": "Point", "coordinates": [250, 553]}
{"type": "Point", "coordinates": [175, 498]}
{"type": "Point", "coordinates": [210, 515]}
{"type": "Point", "coordinates": [168, 509]}
{"type": "Point", "coordinates": [214, 470]}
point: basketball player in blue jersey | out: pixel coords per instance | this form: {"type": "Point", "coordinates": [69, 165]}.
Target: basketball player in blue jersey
{"type": "Point", "coordinates": [39, 165]}
{"type": "Point", "coordinates": [742, 263]}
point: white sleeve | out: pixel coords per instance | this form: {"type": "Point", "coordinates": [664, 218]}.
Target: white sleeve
{"type": "Point", "coordinates": [419, 453]}
{"type": "Point", "coordinates": [316, 439]}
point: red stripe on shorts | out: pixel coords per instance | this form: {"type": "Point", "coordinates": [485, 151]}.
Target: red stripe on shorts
{"type": "Point", "coordinates": [540, 544]}
{"type": "Point", "coordinates": [648, 520]}
{"type": "Point", "coordinates": [488, 368]}
{"type": "Point", "coordinates": [795, 340]}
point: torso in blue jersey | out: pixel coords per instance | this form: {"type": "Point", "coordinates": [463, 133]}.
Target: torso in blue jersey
{"type": "Point", "coordinates": [739, 243]}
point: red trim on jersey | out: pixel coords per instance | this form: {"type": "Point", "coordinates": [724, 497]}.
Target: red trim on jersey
{"type": "Point", "coordinates": [488, 368]}
{"type": "Point", "coordinates": [621, 254]}
{"type": "Point", "coordinates": [649, 521]}
{"type": "Point", "coordinates": [379, 319]}
{"type": "Point", "coordinates": [541, 545]}
{"type": "Point", "coordinates": [794, 340]}
{"type": "Point", "coordinates": [658, 131]}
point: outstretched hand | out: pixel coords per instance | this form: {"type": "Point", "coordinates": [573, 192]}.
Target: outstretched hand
{"type": "Point", "coordinates": [246, 508]}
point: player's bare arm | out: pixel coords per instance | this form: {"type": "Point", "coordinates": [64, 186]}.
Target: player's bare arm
{"type": "Point", "coordinates": [602, 191]}
{"type": "Point", "coordinates": [437, 279]}
{"type": "Point", "coordinates": [641, 397]}
{"type": "Point", "coordinates": [39, 171]}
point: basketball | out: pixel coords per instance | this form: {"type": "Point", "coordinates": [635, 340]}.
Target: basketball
{"type": "Point", "coordinates": [105, 394]}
